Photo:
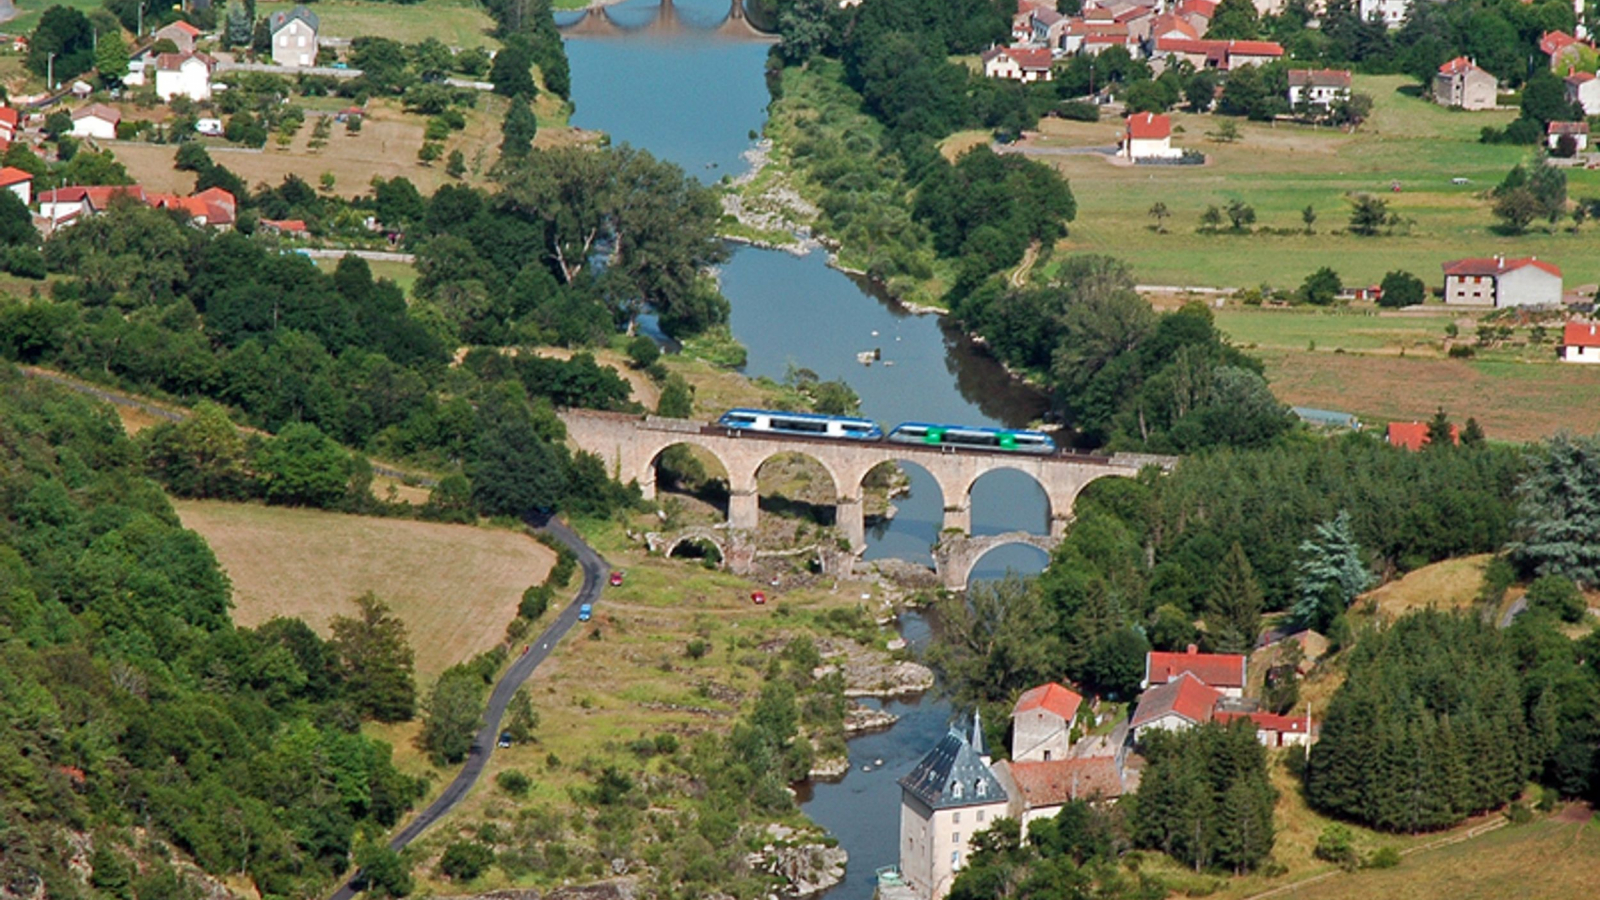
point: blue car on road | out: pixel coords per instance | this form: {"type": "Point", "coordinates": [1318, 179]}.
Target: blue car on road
{"type": "Point", "coordinates": [585, 613]}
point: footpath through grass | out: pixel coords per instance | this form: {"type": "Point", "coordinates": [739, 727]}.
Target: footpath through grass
{"type": "Point", "coordinates": [1281, 169]}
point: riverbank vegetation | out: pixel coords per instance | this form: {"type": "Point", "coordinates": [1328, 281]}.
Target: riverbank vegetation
{"type": "Point", "coordinates": [130, 698]}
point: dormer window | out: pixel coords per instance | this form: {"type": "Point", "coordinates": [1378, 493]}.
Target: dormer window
{"type": "Point", "coordinates": [955, 789]}
{"type": "Point", "coordinates": [980, 787]}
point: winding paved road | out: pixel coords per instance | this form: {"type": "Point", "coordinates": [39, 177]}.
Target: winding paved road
{"type": "Point", "coordinates": [594, 572]}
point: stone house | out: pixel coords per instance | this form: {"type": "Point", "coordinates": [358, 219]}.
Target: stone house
{"type": "Point", "coordinates": [1041, 723]}
{"type": "Point", "coordinates": [294, 37]}
{"type": "Point", "coordinates": [1460, 83]}
{"type": "Point", "coordinates": [1037, 790]}
{"type": "Point", "coordinates": [180, 33]}
{"type": "Point", "coordinates": [1499, 281]}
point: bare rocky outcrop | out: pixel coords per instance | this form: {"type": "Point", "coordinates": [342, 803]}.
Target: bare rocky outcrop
{"type": "Point", "coordinates": [869, 672]}
{"type": "Point", "coordinates": [806, 865]}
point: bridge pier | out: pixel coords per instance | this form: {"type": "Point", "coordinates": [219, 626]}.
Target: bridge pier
{"type": "Point", "coordinates": [1059, 521]}
{"type": "Point", "coordinates": [744, 508]}
{"type": "Point", "coordinates": [849, 516]}
{"type": "Point", "coordinates": [958, 518]}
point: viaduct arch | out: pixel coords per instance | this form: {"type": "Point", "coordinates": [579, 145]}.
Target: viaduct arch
{"type": "Point", "coordinates": [629, 446]}
{"type": "Point", "coordinates": [598, 22]}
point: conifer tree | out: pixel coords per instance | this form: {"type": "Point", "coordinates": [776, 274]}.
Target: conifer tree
{"type": "Point", "coordinates": [1332, 572]}
{"type": "Point", "coordinates": [1233, 615]}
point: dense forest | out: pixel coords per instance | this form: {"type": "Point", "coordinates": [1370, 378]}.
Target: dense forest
{"type": "Point", "coordinates": [137, 717]}
{"type": "Point", "coordinates": [1200, 554]}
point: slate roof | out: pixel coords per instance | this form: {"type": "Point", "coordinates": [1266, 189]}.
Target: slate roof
{"type": "Point", "coordinates": [953, 775]}
{"type": "Point", "coordinates": [280, 19]}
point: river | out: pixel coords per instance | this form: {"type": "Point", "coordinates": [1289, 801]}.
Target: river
{"type": "Point", "coordinates": [696, 100]}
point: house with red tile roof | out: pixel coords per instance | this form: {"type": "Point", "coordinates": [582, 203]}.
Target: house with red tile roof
{"type": "Point", "coordinates": [1177, 705]}
{"type": "Point", "coordinates": [185, 75]}
{"type": "Point", "coordinates": [10, 121]}
{"type": "Point", "coordinates": [1210, 54]}
{"type": "Point", "coordinates": [1501, 281]}
{"type": "Point", "coordinates": [1578, 131]}
{"type": "Point", "coordinates": [18, 182]}
{"type": "Point", "coordinates": [1413, 436]}
{"type": "Point", "coordinates": [1038, 790]}
{"type": "Point", "coordinates": [1583, 88]}
{"type": "Point", "coordinates": [1170, 25]}
{"type": "Point", "coordinates": [1274, 730]}
{"type": "Point", "coordinates": [1580, 343]}
{"type": "Point", "coordinates": [181, 34]}
{"type": "Point", "coordinates": [1462, 84]}
{"type": "Point", "coordinates": [1564, 50]}
{"type": "Point", "coordinates": [1041, 722]}
{"type": "Point", "coordinates": [290, 227]}
{"type": "Point", "coordinates": [1017, 63]}
{"type": "Point", "coordinates": [1223, 671]}
{"type": "Point", "coordinates": [1148, 136]}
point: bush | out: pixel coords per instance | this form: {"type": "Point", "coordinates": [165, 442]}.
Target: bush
{"type": "Point", "coordinates": [1558, 595]}
{"type": "Point", "coordinates": [1336, 844]}
{"type": "Point", "coordinates": [1462, 351]}
{"type": "Point", "coordinates": [1384, 858]}
{"type": "Point", "coordinates": [697, 648]}
{"type": "Point", "coordinates": [1079, 111]}
{"type": "Point", "coordinates": [465, 860]}
{"type": "Point", "coordinates": [514, 782]}
{"type": "Point", "coordinates": [535, 600]}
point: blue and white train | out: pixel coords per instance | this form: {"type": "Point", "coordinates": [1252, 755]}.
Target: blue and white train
{"type": "Point", "coordinates": [800, 423]}
{"type": "Point", "coordinates": [977, 437]}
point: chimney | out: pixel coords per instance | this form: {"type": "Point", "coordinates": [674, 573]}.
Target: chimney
{"type": "Point", "coordinates": [1193, 649]}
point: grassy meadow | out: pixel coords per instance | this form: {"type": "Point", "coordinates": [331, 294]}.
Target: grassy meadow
{"type": "Point", "coordinates": [1279, 169]}
{"type": "Point", "coordinates": [456, 587]}
{"type": "Point", "coordinates": [458, 23]}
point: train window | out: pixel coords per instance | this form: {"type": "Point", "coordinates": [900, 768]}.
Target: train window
{"type": "Point", "coordinates": [739, 421]}
{"type": "Point", "coordinates": [970, 439]}
{"type": "Point", "coordinates": [857, 427]}
{"type": "Point", "coordinates": [804, 426]}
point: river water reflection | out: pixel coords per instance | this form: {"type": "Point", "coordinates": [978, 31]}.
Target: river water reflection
{"type": "Point", "coordinates": [695, 99]}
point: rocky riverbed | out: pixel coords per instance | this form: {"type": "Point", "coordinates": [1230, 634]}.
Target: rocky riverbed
{"type": "Point", "coordinates": [869, 672]}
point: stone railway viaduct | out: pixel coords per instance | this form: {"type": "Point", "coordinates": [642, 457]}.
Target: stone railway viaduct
{"type": "Point", "coordinates": [630, 447]}
{"type": "Point", "coordinates": [598, 22]}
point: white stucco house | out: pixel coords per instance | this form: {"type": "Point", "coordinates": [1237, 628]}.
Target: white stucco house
{"type": "Point", "coordinates": [1391, 12]}
{"type": "Point", "coordinates": [1041, 723]}
{"type": "Point", "coordinates": [1321, 88]}
{"type": "Point", "coordinates": [1580, 343]}
{"type": "Point", "coordinates": [1583, 88]}
{"type": "Point", "coordinates": [294, 37]}
{"type": "Point", "coordinates": [1017, 63]}
{"type": "Point", "coordinates": [1578, 131]}
{"type": "Point", "coordinates": [18, 182]}
{"type": "Point", "coordinates": [96, 120]}
{"type": "Point", "coordinates": [184, 75]}
{"type": "Point", "coordinates": [1500, 281]}
{"type": "Point", "coordinates": [1149, 136]}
